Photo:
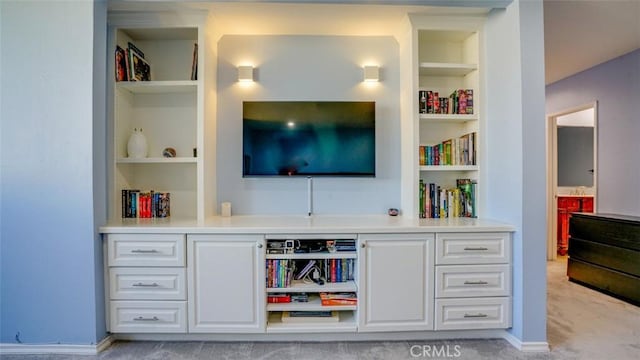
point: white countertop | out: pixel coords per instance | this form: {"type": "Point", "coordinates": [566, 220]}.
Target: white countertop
{"type": "Point", "coordinates": [287, 224]}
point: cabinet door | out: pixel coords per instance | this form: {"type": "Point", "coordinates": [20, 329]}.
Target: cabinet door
{"type": "Point", "coordinates": [396, 282]}
{"type": "Point", "coordinates": [226, 290]}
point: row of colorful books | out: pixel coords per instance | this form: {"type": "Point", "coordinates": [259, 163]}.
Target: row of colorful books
{"type": "Point", "coordinates": [280, 272]}
{"type": "Point", "coordinates": [339, 270]}
{"type": "Point", "coordinates": [440, 202]}
{"type": "Point", "coordinates": [456, 151]}
{"type": "Point", "coordinates": [150, 204]}
{"type": "Point", "coordinates": [460, 101]}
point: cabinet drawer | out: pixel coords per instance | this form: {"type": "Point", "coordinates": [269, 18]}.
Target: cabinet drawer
{"type": "Point", "coordinates": [473, 313]}
{"type": "Point", "coordinates": [148, 316]}
{"type": "Point", "coordinates": [147, 283]}
{"type": "Point", "coordinates": [473, 248]}
{"type": "Point", "coordinates": [146, 250]}
{"type": "Point", "coordinates": [472, 280]}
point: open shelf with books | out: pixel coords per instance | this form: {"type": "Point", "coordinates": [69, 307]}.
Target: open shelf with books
{"type": "Point", "coordinates": [156, 91]}
{"type": "Point", "coordinates": [448, 122]}
{"type": "Point", "coordinates": [311, 282]}
{"type": "Point", "coordinates": [341, 321]}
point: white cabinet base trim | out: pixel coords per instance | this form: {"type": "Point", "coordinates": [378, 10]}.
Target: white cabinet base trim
{"type": "Point", "coordinates": [527, 346]}
{"type": "Point", "coordinates": [420, 336]}
{"type": "Point", "coordinates": [62, 349]}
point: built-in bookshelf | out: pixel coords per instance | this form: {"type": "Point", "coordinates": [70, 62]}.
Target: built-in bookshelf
{"type": "Point", "coordinates": [155, 88]}
{"type": "Point", "coordinates": [311, 284]}
{"type": "Point", "coordinates": [448, 122]}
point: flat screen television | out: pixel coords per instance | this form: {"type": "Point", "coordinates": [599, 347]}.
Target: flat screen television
{"type": "Point", "coordinates": [308, 138]}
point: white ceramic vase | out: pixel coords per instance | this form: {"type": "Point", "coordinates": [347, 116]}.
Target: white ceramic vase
{"type": "Point", "coordinates": [137, 145]}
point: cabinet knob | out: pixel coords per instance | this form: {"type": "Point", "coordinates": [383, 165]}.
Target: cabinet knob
{"type": "Point", "coordinates": [259, 245]}
{"type": "Point", "coordinates": [362, 245]}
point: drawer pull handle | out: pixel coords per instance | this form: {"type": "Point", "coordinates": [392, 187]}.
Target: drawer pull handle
{"type": "Point", "coordinates": [475, 315]}
{"type": "Point", "coordinates": [476, 249]}
{"type": "Point", "coordinates": [146, 285]}
{"type": "Point", "coordinates": [475, 282]}
{"type": "Point", "coordinates": [140, 318]}
{"type": "Point", "coordinates": [141, 251]}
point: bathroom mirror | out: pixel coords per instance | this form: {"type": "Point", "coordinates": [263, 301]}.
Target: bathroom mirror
{"type": "Point", "coordinates": [576, 141]}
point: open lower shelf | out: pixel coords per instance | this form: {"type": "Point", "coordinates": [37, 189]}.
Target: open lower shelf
{"type": "Point", "coordinates": [314, 304]}
{"type": "Point", "coordinates": [446, 69]}
{"type": "Point", "coordinates": [301, 286]}
{"type": "Point", "coordinates": [443, 118]}
{"type": "Point", "coordinates": [315, 256]}
{"type": "Point", "coordinates": [346, 323]}
{"type": "Point", "coordinates": [158, 87]}
{"type": "Point", "coordinates": [449, 168]}
{"type": "Point", "coordinates": [158, 160]}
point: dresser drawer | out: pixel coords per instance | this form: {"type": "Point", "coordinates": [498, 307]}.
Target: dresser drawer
{"type": "Point", "coordinates": [473, 280]}
{"type": "Point", "coordinates": [473, 248]}
{"type": "Point", "coordinates": [148, 316]}
{"type": "Point", "coordinates": [147, 284]}
{"type": "Point", "coordinates": [473, 313]}
{"type": "Point", "coordinates": [146, 249]}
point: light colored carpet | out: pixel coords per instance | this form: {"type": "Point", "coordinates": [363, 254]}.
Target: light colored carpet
{"type": "Point", "coordinates": [582, 324]}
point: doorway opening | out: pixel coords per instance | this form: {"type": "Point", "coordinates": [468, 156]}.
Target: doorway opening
{"type": "Point", "coordinates": [571, 171]}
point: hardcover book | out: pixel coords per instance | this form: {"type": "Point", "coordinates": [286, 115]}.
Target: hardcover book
{"type": "Point", "coordinates": [332, 299]}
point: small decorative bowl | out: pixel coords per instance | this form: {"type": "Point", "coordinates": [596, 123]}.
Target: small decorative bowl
{"type": "Point", "coordinates": [169, 152]}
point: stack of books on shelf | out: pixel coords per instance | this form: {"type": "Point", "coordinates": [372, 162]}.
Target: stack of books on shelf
{"type": "Point", "coordinates": [333, 299]}
{"type": "Point", "coordinates": [459, 102]}
{"type": "Point", "coordinates": [457, 151]}
{"type": "Point", "coordinates": [439, 202]}
{"type": "Point", "coordinates": [151, 204]}
{"type": "Point", "coordinates": [278, 298]}
{"type": "Point", "coordinates": [279, 273]}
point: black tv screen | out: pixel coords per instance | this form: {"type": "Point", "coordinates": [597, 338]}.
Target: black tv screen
{"type": "Point", "coordinates": [308, 138]}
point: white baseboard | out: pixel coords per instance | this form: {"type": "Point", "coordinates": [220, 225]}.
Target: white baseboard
{"type": "Point", "coordinates": [66, 349]}
{"type": "Point", "coordinates": [527, 346]}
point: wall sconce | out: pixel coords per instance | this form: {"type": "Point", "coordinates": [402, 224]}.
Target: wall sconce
{"type": "Point", "coordinates": [245, 73]}
{"type": "Point", "coordinates": [371, 73]}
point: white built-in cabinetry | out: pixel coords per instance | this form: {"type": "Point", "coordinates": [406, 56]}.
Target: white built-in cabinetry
{"type": "Point", "coordinates": [170, 110]}
{"type": "Point", "coordinates": [472, 281]}
{"type": "Point", "coordinates": [396, 282]}
{"type": "Point", "coordinates": [226, 277]}
{"type": "Point", "coordinates": [147, 283]}
{"type": "Point", "coordinates": [216, 282]}
{"type": "Point", "coordinates": [445, 57]}
{"type": "Point", "coordinates": [200, 279]}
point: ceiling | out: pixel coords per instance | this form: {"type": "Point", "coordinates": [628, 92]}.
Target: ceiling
{"type": "Point", "coordinates": [579, 34]}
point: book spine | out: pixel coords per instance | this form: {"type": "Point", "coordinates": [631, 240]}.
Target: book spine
{"type": "Point", "coordinates": [469, 95]}
{"type": "Point", "coordinates": [124, 203]}
{"type": "Point", "coordinates": [333, 270]}
{"type": "Point", "coordinates": [344, 270]}
{"type": "Point", "coordinates": [422, 101]}
{"type": "Point", "coordinates": [421, 198]}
